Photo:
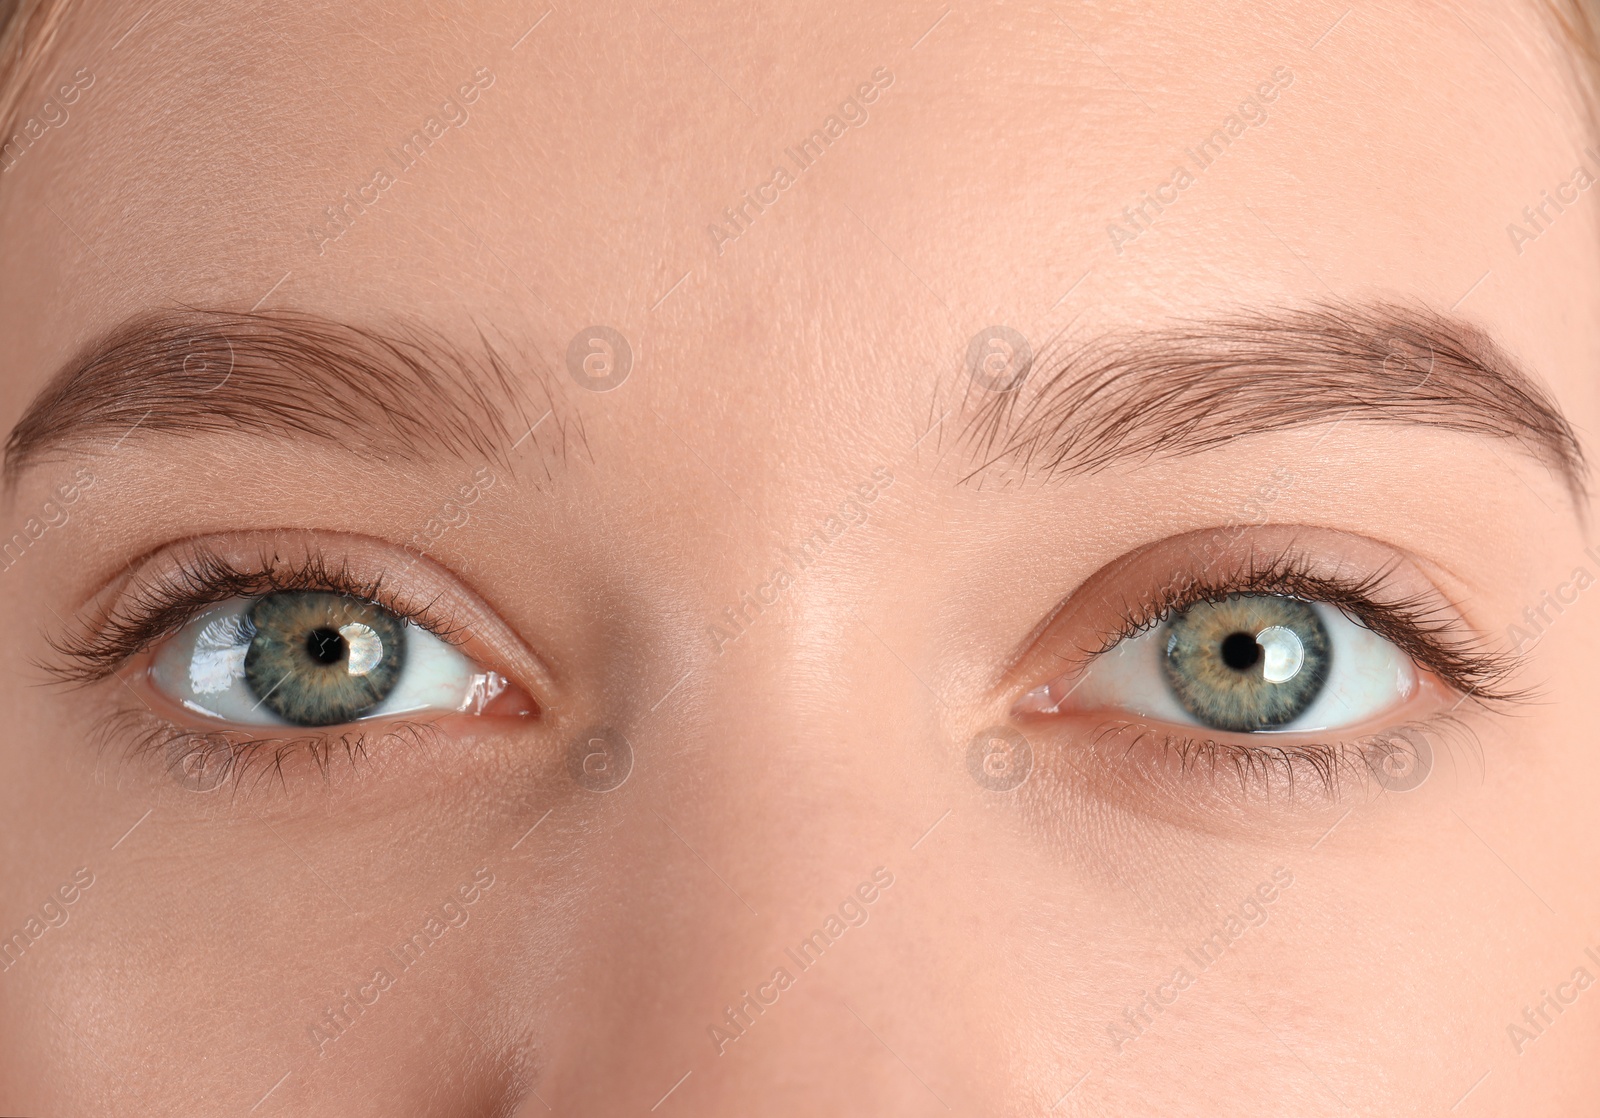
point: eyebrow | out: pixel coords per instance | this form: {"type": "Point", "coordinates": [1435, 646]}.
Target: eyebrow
{"type": "Point", "coordinates": [406, 394]}
{"type": "Point", "coordinates": [1197, 386]}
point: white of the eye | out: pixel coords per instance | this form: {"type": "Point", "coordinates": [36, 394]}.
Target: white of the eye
{"type": "Point", "coordinates": [1369, 675]}
{"type": "Point", "coordinates": [366, 647]}
{"type": "Point", "coordinates": [436, 676]}
{"type": "Point", "coordinates": [219, 652]}
{"type": "Point", "coordinates": [1284, 655]}
{"type": "Point", "coordinates": [202, 668]}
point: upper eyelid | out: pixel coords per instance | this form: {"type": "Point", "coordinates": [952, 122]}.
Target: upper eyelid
{"type": "Point", "coordinates": [1419, 627]}
{"type": "Point", "coordinates": [434, 598]}
{"type": "Point", "coordinates": [163, 609]}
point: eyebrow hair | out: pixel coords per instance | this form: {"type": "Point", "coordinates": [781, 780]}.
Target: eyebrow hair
{"type": "Point", "coordinates": [404, 394]}
{"type": "Point", "coordinates": [1196, 386]}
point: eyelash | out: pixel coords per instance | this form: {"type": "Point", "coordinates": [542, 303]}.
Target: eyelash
{"type": "Point", "coordinates": [203, 578]}
{"type": "Point", "coordinates": [1423, 628]}
{"type": "Point", "coordinates": [158, 608]}
{"type": "Point", "coordinates": [242, 755]}
{"type": "Point", "coordinates": [1263, 767]}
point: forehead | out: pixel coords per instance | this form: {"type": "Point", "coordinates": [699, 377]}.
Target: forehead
{"type": "Point", "coordinates": [778, 199]}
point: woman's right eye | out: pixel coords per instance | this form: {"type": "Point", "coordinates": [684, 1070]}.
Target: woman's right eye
{"type": "Point", "coordinates": [314, 658]}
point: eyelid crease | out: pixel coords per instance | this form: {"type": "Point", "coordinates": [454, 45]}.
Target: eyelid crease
{"type": "Point", "coordinates": [168, 591]}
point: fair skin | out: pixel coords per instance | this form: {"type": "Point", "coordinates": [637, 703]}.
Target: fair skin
{"type": "Point", "coordinates": [774, 773]}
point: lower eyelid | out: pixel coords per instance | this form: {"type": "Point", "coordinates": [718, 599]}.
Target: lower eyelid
{"type": "Point", "coordinates": [156, 742]}
{"type": "Point", "coordinates": [186, 760]}
{"type": "Point", "coordinates": [1201, 781]}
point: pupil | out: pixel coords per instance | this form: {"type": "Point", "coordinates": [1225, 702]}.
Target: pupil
{"type": "Point", "coordinates": [326, 646]}
{"type": "Point", "coordinates": [1240, 651]}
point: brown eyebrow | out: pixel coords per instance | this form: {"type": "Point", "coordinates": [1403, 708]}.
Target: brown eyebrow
{"type": "Point", "coordinates": [402, 394]}
{"type": "Point", "coordinates": [1198, 385]}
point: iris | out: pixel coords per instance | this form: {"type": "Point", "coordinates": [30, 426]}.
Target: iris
{"type": "Point", "coordinates": [319, 659]}
{"type": "Point", "coordinates": [1247, 662]}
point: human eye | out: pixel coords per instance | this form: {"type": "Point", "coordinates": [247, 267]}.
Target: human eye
{"type": "Point", "coordinates": [238, 648]}
{"type": "Point", "coordinates": [1251, 663]}
{"type": "Point", "coordinates": [1276, 656]}
{"type": "Point", "coordinates": [314, 658]}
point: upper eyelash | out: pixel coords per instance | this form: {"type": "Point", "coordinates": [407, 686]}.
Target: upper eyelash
{"type": "Point", "coordinates": [1424, 629]}
{"type": "Point", "coordinates": [158, 608]}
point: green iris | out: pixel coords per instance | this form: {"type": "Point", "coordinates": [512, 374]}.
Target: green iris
{"type": "Point", "coordinates": [1247, 662]}
{"type": "Point", "coordinates": [319, 659]}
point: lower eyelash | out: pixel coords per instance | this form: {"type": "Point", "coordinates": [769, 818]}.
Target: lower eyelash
{"type": "Point", "coordinates": [1332, 768]}
{"type": "Point", "coordinates": [203, 761]}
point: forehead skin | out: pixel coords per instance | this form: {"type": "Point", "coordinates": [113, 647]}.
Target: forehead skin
{"type": "Point", "coordinates": [774, 371]}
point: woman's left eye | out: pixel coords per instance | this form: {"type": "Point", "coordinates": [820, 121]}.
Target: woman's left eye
{"type": "Point", "coordinates": [313, 658]}
{"type": "Point", "coordinates": [1246, 663]}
